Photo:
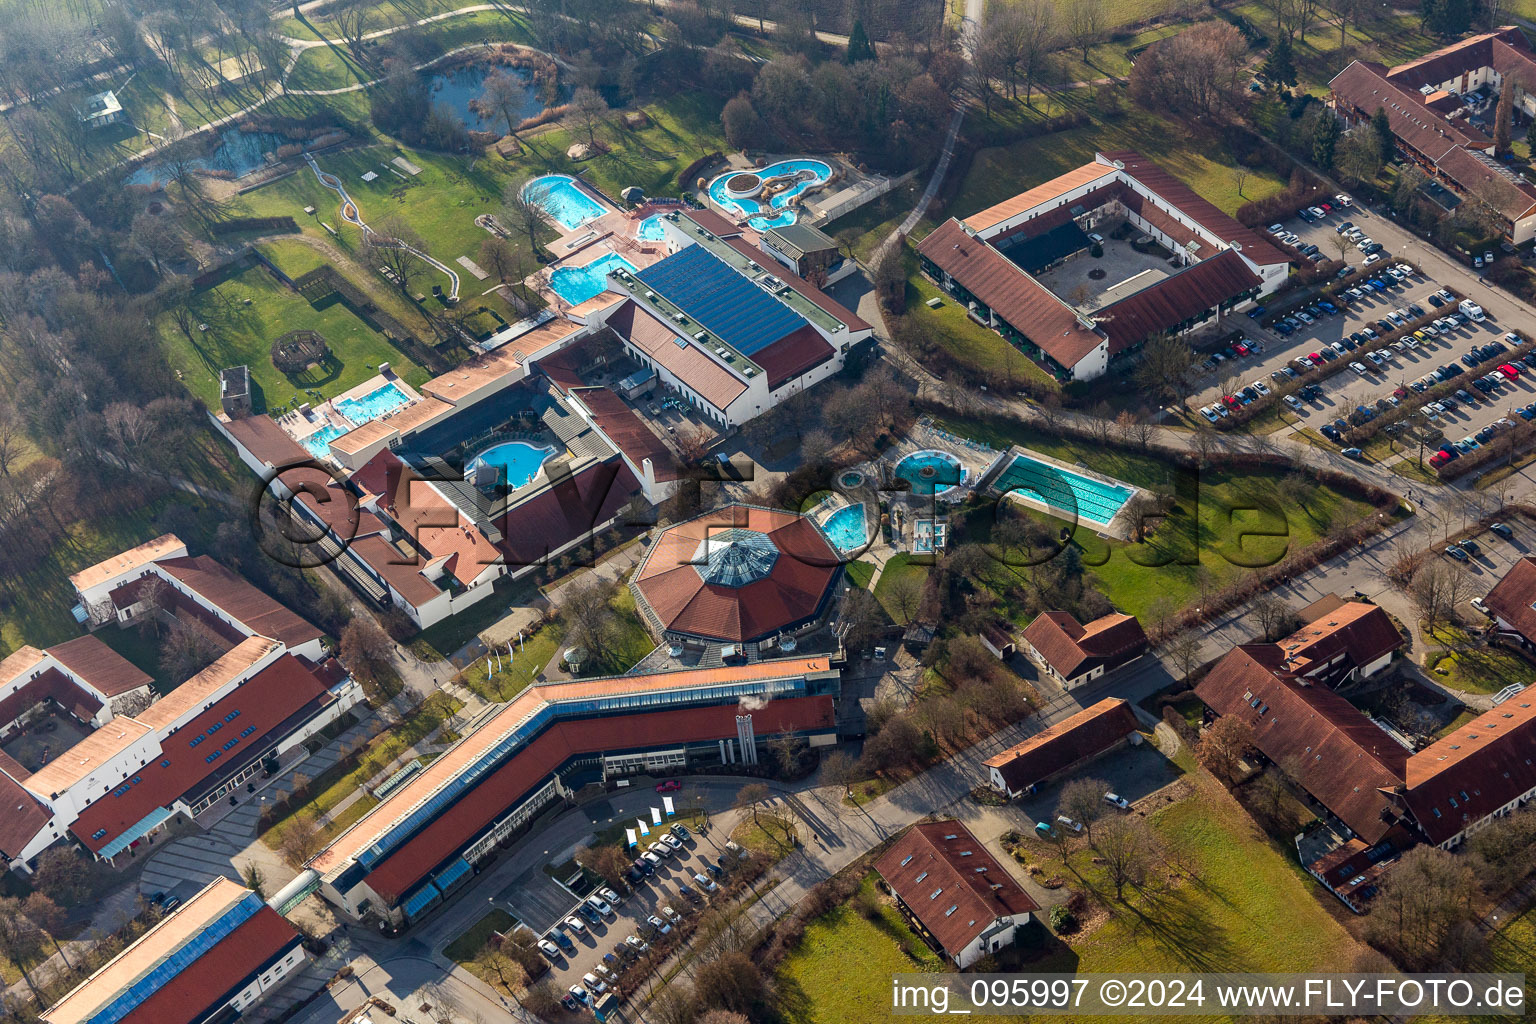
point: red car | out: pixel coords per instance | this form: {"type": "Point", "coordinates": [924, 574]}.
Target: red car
{"type": "Point", "coordinates": [1509, 371]}
{"type": "Point", "coordinates": [668, 786]}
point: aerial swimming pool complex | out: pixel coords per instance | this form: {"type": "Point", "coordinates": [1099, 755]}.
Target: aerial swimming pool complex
{"type": "Point", "coordinates": [846, 528]}
{"type": "Point", "coordinates": [517, 462]}
{"type": "Point", "coordinates": [578, 284]}
{"type": "Point", "coordinates": [931, 472]}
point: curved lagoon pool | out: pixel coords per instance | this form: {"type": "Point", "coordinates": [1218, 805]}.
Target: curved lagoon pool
{"type": "Point", "coordinates": [818, 172]}
{"type": "Point", "coordinates": [846, 529]}
{"type": "Point", "coordinates": [931, 472]}
{"type": "Point", "coordinates": [578, 284]}
{"type": "Point", "coordinates": [563, 199]}
{"type": "Point", "coordinates": [517, 461]}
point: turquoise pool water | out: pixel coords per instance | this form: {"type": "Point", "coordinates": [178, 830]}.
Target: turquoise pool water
{"type": "Point", "coordinates": [318, 444]}
{"type": "Point", "coordinates": [650, 229]}
{"type": "Point", "coordinates": [846, 529]}
{"type": "Point", "coordinates": [518, 461]}
{"type": "Point", "coordinates": [374, 404]}
{"type": "Point", "coordinates": [931, 472]}
{"type": "Point", "coordinates": [1092, 500]}
{"type": "Point", "coordinates": [578, 284]}
{"type": "Point", "coordinates": [562, 200]}
{"type": "Point", "coordinates": [820, 171]}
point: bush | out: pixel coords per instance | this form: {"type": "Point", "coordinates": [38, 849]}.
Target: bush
{"type": "Point", "coordinates": [1063, 921]}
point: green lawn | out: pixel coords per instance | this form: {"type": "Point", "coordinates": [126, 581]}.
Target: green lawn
{"type": "Point", "coordinates": [245, 313]}
{"type": "Point", "coordinates": [464, 948]}
{"type": "Point", "coordinates": [513, 678]}
{"type": "Point", "coordinates": [899, 565]}
{"type": "Point", "coordinates": [964, 338]}
{"type": "Point", "coordinates": [1225, 523]}
{"type": "Point", "coordinates": [141, 650]}
{"type": "Point", "coordinates": [860, 573]}
{"type": "Point", "coordinates": [1473, 669]}
{"type": "Point", "coordinates": [633, 640]}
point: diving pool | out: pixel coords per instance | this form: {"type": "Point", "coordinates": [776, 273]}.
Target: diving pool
{"type": "Point", "coordinates": [1094, 501]}
{"type": "Point", "coordinates": [931, 471]}
{"type": "Point", "coordinates": [376, 403]}
{"type": "Point", "coordinates": [820, 172]}
{"type": "Point", "coordinates": [650, 229]}
{"type": "Point", "coordinates": [846, 529]}
{"type": "Point", "coordinates": [518, 461]}
{"type": "Point", "coordinates": [560, 197]}
{"type": "Point", "coordinates": [578, 284]}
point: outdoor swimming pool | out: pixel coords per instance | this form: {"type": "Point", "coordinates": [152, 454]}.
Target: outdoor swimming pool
{"type": "Point", "coordinates": [374, 404]}
{"type": "Point", "coordinates": [846, 528]}
{"type": "Point", "coordinates": [931, 472]}
{"type": "Point", "coordinates": [1093, 501]}
{"type": "Point", "coordinates": [650, 229]}
{"type": "Point", "coordinates": [518, 461]}
{"type": "Point", "coordinates": [578, 284]}
{"type": "Point", "coordinates": [819, 170]}
{"type": "Point", "coordinates": [318, 444]}
{"type": "Point", "coordinates": [559, 197]}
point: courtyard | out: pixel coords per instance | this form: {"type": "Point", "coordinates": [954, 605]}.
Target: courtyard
{"type": "Point", "coordinates": [43, 738]}
{"type": "Point", "coordinates": [1090, 283]}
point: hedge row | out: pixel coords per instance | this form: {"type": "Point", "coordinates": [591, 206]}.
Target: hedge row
{"type": "Point", "coordinates": [1358, 435]}
{"type": "Point", "coordinates": [1283, 204]}
{"type": "Point", "coordinates": [1504, 445]}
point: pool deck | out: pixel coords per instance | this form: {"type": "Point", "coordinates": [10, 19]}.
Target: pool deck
{"type": "Point", "coordinates": [616, 232]}
{"type": "Point", "coordinates": [1118, 528]}
{"type": "Point", "coordinates": [299, 425]}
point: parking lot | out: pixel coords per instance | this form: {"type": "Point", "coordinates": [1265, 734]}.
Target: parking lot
{"type": "Point", "coordinates": [598, 942]}
{"type": "Point", "coordinates": [1346, 390]}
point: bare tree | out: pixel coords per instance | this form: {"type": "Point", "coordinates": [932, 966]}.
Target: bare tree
{"type": "Point", "coordinates": [588, 112]}
{"type": "Point", "coordinates": [1437, 588]}
{"type": "Point", "coordinates": [522, 214]}
{"type": "Point", "coordinates": [351, 19]}
{"type": "Point", "coordinates": [1018, 38]}
{"type": "Point", "coordinates": [301, 839]}
{"type": "Point", "coordinates": [904, 596]}
{"type": "Point", "coordinates": [1184, 652]}
{"type": "Point", "coordinates": [752, 795]}
{"type": "Point", "coordinates": [1223, 744]}
{"type": "Point", "coordinates": [390, 243]}
{"type": "Point", "coordinates": [1420, 903]}
{"type": "Point", "coordinates": [1126, 848]}
{"type": "Point", "coordinates": [1272, 616]}
{"type": "Point", "coordinates": [1085, 26]}
{"type": "Point", "coordinates": [505, 95]}
{"type": "Point", "coordinates": [20, 939]}
{"type": "Point", "coordinates": [1083, 801]}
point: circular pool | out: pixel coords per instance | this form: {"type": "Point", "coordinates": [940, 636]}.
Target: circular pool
{"type": "Point", "coordinates": [851, 479]}
{"type": "Point", "coordinates": [931, 472]}
{"type": "Point", "coordinates": [516, 462]}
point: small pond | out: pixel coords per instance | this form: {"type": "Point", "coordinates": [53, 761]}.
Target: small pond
{"type": "Point", "coordinates": [237, 152]}
{"type": "Point", "coordinates": [456, 87]}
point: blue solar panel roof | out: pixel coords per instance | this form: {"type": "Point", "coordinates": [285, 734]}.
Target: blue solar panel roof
{"type": "Point", "coordinates": [724, 303]}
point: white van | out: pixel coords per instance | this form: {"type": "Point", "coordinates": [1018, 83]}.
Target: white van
{"type": "Point", "coordinates": [1471, 309]}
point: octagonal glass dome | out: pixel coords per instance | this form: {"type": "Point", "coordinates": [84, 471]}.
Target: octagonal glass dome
{"type": "Point", "coordinates": [734, 558]}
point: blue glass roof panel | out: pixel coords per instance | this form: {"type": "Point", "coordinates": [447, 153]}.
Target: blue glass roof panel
{"type": "Point", "coordinates": [724, 303]}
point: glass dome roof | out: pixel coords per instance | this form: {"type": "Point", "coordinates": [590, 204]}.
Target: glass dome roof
{"type": "Point", "coordinates": [734, 557]}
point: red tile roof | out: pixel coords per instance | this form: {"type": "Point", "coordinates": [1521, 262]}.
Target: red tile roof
{"type": "Point", "coordinates": [1181, 197]}
{"type": "Point", "coordinates": [401, 572]}
{"type": "Point", "coordinates": [1509, 194]}
{"type": "Point", "coordinates": [1513, 599]}
{"type": "Point", "coordinates": [437, 527]}
{"type": "Point", "coordinates": [375, 476]}
{"type": "Point", "coordinates": [1072, 648]}
{"type": "Point", "coordinates": [22, 817]}
{"type": "Point", "coordinates": [951, 883]}
{"type": "Point", "coordinates": [712, 222]}
{"type": "Point", "coordinates": [1078, 737]}
{"type": "Point", "coordinates": [1365, 86]}
{"type": "Point", "coordinates": [793, 591]}
{"type": "Point", "coordinates": [1504, 49]}
{"type": "Point", "coordinates": [571, 507]}
{"type": "Point", "coordinates": [108, 672]}
{"type": "Point", "coordinates": [1012, 294]}
{"type": "Point", "coordinates": [1466, 776]}
{"type": "Point", "coordinates": [209, 981]}
{"type": "Point", "coordinates": [239, 599]}
{"type": "Point", "coordinates": [688, 363]}
{"type": "Point", "coordinates": [1317, 737]}
{"type": "Point", "coordinates": [399, 872]}
{"type": "Point", "coordinates": [265, 701]}
{"type": "Point", "coordinates": [624, 427]}
{"type": "Point", "coordinates": [1361, 631]}
{"type": "Point", "coordinates": [267, 441]}
{"type": "Point", "coordinates": [1174, 300]}
{"type": "Point", "coordinates": [798, 352]}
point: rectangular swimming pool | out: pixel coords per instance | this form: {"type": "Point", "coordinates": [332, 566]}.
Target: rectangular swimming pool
{"type": "Point", "coordinates": [371, 406]}
{"type": "Point", "coordinates": [1093, 501]}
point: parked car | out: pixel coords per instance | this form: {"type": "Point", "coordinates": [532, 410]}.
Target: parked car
{"type": "Point", "coordinates": [600, 905]}
{"type": "Point", "coordinates": [550, 950]}
{"type": "Point", "coordinates": [1293, 402]}
{"type": "Point", "coordinates": [575, 924]}
{"type": "Point", "coordinates": [1458, 554]}
{"type": "Point", "coordinates": [657, 923]}
{"type": "Point", "coordinates": [668, 786]}
{"type": "Point", "coordinates": [1353, 453]}
{"type": "Point", "coordinates": [705, 882]}
{"type": "Point", "coordinates": [1118, 801]}
{"type": "Point", "coordinates": [1503, 530]}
